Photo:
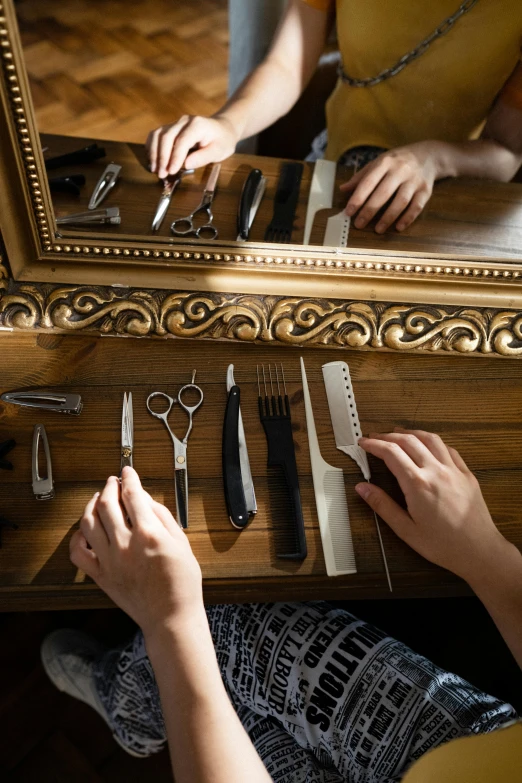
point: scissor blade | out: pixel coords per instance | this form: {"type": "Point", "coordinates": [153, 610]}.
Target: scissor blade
{"type": "Point", "coordinates": [127, 431]}
{"type": "Point", "coordinates": [161, 210]}
{"type": "Point", "coordinates": [181, 484]}
{"type": "Point", "coordinates": [246, 473]}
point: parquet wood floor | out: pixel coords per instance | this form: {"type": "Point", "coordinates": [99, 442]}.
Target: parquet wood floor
{"type": "Point", "coordinates": [116, 69]}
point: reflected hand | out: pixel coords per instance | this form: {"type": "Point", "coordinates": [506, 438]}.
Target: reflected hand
{"type": "Point", "coordinates": [190, 143]}
{"type": "Point", "coordinates": [147, 567]}
{"type": "Point", "coordinates": [447, 520]}
{"type": "Point", "coordinates": [405, 174]}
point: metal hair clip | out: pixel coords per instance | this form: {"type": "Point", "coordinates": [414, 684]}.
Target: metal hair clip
{"type": "Point", "coordinates": [61, 403]}
{"type": "Point", "coordinates": [104, 185]}
{"type": "Point", "coordinates": [43, 488]}
{"type": "Point", "coordinates": [110, 215]}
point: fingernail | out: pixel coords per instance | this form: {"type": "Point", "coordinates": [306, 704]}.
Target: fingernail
{"type": "Point", "coordinates": [350, 209]}
{"type": "Point", "coordinates": [400, 226]}
{"type": "Point", "coordinates": [359, 222]}
{"type": "Point", "coordinates": [364, 490]}
{"type": "Point", "coordinates": [399, 429]}
{"type": "Point", "coordinates": [96, 496]}
{"type": "Point", "coordinates": [380, 228]}
{"type": "Point", "coordinates": [363, 437]}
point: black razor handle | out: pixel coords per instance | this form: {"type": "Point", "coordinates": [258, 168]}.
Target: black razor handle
{"type": "Point", "coordinates": [248, 195]}
{"type": "Point", "coordinates": [232, 478]}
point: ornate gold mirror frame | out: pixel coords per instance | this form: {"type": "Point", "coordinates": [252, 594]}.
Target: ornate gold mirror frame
{"type": "Point", "coordinates": [147, 287]}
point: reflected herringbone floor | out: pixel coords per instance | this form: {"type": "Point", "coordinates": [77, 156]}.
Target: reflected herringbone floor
{"type": "Point", "coordinates": [118, 68]}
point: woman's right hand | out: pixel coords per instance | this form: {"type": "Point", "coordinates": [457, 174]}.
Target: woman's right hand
{"type": "Point", "coordinates": [190, 143]}
{"type": "Point", "coordinates": [446, 520]}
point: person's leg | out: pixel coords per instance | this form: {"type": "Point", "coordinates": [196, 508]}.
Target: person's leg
{"type": "Point", "coordinates": [360, 701]}
{"type": "Point", "coordinates": [362, 704]}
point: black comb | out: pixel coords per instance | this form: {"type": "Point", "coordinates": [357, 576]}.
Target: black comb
{"type": "Point", "coordinates": [287, 516]}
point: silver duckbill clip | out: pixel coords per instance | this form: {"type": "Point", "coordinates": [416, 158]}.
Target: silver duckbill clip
{"type": "Point", "coordinates": [43, 488]}
{"type": "Point", "coordinates": [50, 401]}
{"type": "Point", "coordinates": [104, 185]}
{"type": "Point", "coordinates": [111, 215]}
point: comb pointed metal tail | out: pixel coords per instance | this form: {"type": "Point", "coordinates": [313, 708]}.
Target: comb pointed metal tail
{"type": "Point", "coordinates": [330, 498]}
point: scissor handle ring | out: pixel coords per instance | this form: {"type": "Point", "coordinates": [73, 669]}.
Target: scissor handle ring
{"type": "Point", "coordinates": [191, 409]}
{"type": "Point", "coordinates": [207, 232]}
{"type": "Point", "coordinates": [180, 231]}
{"type": "Point", "coordinates": [163, 416]}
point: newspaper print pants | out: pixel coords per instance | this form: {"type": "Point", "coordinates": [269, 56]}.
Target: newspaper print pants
{"type": "Point", "coordinates": [324, 696]}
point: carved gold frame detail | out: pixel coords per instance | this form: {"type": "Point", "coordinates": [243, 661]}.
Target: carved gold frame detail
{"type": "Point", "coordinates": [286, 294]}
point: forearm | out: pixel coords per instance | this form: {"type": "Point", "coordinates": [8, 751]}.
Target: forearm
{"type": "Point", "coordinates": [484, 158]}
{"type": "Point", "coordinates": [498, 584]}
{"type": "Point", "coordinates": [206, 739]}
{"type": "Point", "coordinates": [274, 86]}
{"type": "Point", "coordinates": [267, 94]}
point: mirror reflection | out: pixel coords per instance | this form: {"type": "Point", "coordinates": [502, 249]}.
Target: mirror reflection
{"type": "Point", "coordinates": [362, 125]}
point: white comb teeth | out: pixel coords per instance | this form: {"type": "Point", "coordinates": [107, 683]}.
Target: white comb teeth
{"type": "Point", "coordinates": [330, 499]}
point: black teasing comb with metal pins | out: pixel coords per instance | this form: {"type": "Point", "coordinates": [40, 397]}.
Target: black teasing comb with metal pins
{"type": "Point", "coordinates": [285, 496]}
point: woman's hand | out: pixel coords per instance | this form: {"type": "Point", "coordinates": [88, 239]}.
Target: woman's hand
{"type": "Point", "coordinates": [447, 520]}
{"type": "Point", "coordinates": [407, 174]}
{"type": "Point", "coordinates": [189, 143]}
{"type": "Point", "coordinates": [134, 550]}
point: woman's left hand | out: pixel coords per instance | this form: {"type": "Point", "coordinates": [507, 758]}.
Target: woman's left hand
{"type": "Point", "coordinates": [406, 173]}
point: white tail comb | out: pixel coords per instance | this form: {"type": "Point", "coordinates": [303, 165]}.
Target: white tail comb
{"type": "Point", "coordinates": [330, 499]}
{"type": "Point", "coordinates": [346, 427]}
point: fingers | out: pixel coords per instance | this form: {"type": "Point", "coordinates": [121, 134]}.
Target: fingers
{"type": "Point", "coordinates": [433, 442]}
{"type": "Point", "coordinates": [111, 514]}
{"type": "Point", "coordinates": [458, 461]}
{"type": "Point", "coordinates": [166, 518]}
{"type": "Point", "coordinates": [418, 202]}
{"type": "Point", "coordinates": [414, 448]}
{"type": "Point", "coordinates": [81, 556]}
{"type": "Point", "coordinates": [166, 138]}
{"type": "Point", "coordinates": [403, 197]}
{"type": "Point", "coordinates": [135, 499]}
{"type": "Point", "coordinates": [396, 517]}
{"type": "Point", "coordinates": [178, 147]}
{"type": "Point", "coordinates": [92, 528]}
{"type": "Point", "coordinates": [201, 157]}
{"type": "Point", "coordinates": [389, 185]}
{"type": "Point", "coordinates": [151, 146]}
{"type": "Point", "coordinates": [394, 457]}
{"type": "Point", "coordinates": [364, 189]}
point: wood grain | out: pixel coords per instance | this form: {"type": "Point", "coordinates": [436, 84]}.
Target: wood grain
{"type": "Point", "coordinates": [474, 404]}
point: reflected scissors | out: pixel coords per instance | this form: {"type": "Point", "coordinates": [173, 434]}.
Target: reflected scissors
{"type": "Point", "coordinates": [127, 432]}
{"type": "Point", "coordinates": [183, 227]}
{"type": "Point", "coordinates": [169, 186]}
{"type": "Point", "coordinates": [180, 446]}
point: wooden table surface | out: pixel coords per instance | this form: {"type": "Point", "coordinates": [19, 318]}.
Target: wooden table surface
{"type": "Point", "coordinates": [476, 404]}
{"type": "Point", "coordinates": [466, 217]}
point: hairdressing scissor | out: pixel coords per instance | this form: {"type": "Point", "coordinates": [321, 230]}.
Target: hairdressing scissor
{"type": "Point", "coordinates": [184, 226]}
{"type": "Point", "coordinates": [180, 446]}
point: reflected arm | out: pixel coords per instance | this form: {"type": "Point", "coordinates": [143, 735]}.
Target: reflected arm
{"type": "Point", "coordinates": [275, 85]}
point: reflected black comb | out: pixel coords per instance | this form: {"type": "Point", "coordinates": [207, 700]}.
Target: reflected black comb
{"type": "Point", "coordinates": [285, 496]}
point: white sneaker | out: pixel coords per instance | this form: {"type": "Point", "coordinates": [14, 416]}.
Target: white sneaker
{"type": "Point", "coordinates": [68, 657]}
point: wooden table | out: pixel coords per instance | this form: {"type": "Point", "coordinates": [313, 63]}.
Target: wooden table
{"type": "Point", "coordinates": [466, 217]}
{"type": "Point", "coordinates": [474, 403]}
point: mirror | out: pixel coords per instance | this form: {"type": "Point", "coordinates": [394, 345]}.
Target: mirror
{"type": "Point", "coordinates": [108, 73]}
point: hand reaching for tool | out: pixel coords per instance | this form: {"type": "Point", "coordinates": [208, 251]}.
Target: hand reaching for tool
{"type": "Point", "coordinates": [189, 143]}
{"type": "Point", "coordinates": [148, 569]}
{"type": "Point", "coordinates": [447, 520]}
{"type": "Point", "coordinates": [405, 175]}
